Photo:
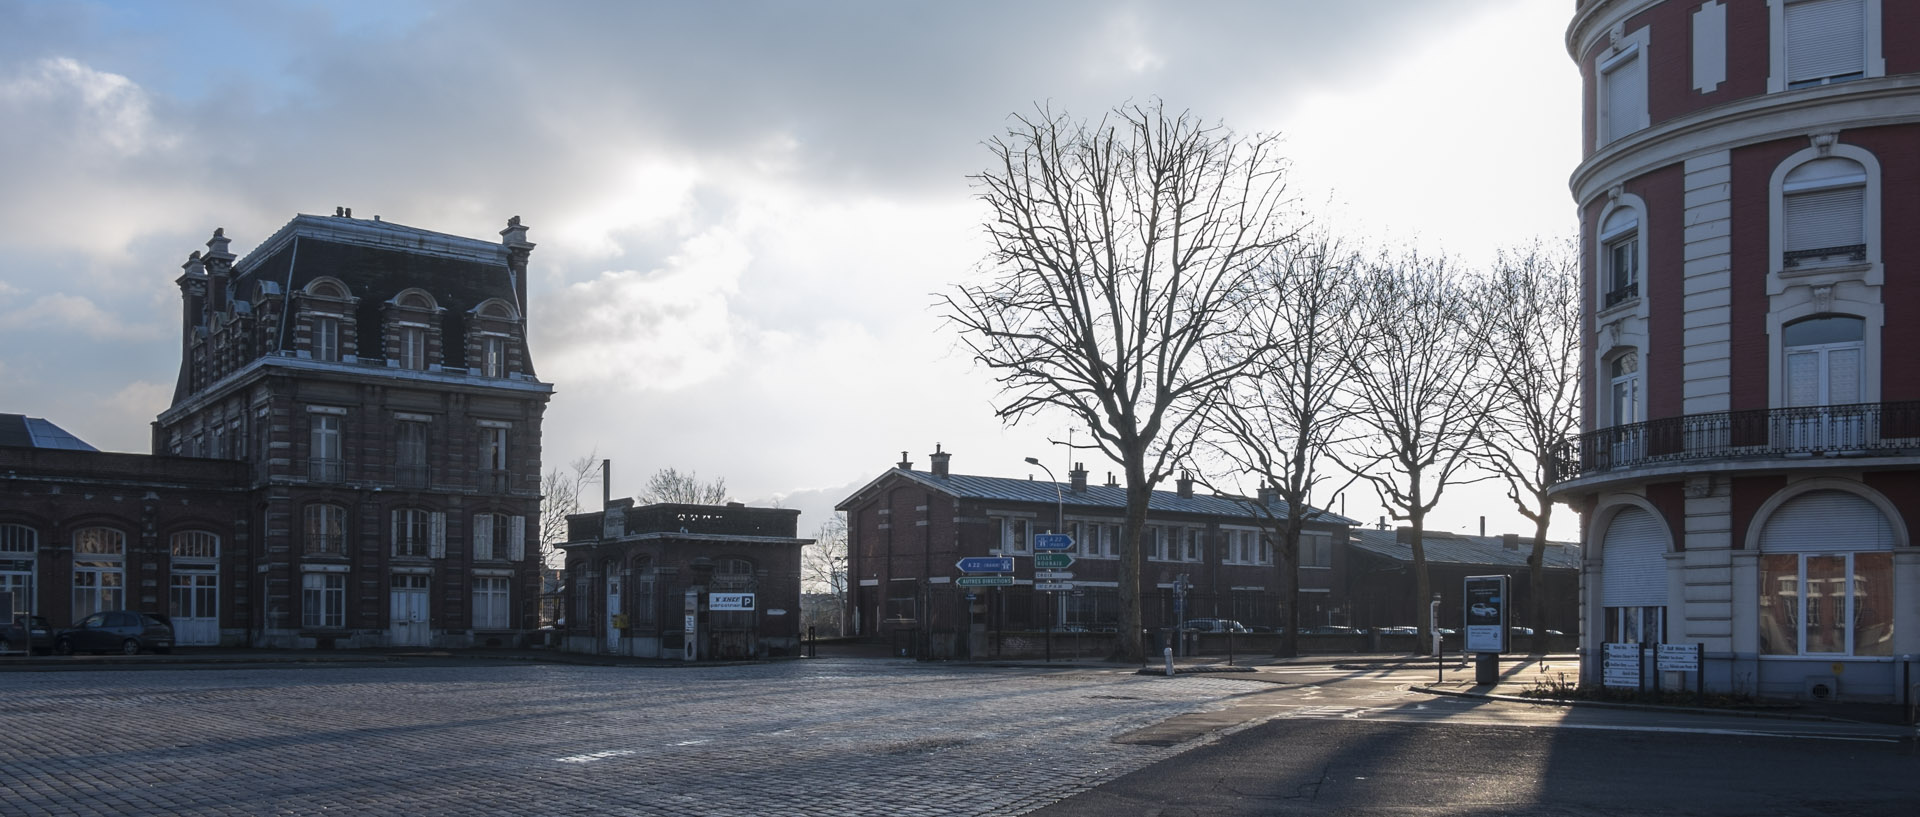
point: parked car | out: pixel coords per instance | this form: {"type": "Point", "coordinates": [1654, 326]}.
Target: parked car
{"type": "Point", "coordinates": [122, 631]}
{"type": "Point", "coordinates": [1333, 629]}
{"type": "Point", "coordinates": [27, 633]}
{"type": "Point", "coordinates": [1214, 625]}
{"type": "Point", "coordinates": [1520, 630]}
{"type": "Point", "coordinates": [1402, 630]}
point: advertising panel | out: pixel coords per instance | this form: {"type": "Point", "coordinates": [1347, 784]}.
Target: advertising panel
{"type": "Point", "coordinates": [1486, 614]}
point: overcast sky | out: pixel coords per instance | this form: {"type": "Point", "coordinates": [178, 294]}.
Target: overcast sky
{"type": "Point", "coordinates": [745, 211]}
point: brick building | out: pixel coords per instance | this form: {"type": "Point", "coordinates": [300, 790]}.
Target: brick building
{"type": "Point", "coordinates": [907, 529]}
{"type": "Point", "coordinates": [1378, 583]}
{"type": "Point", "coordinates": [641, 580]}
{"type": "Point", "coordinates": [356, 431]}
{"type": "Point", "coordinates": [1750, 466]}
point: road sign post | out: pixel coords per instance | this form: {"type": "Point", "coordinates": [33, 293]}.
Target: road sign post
{"type": "Point", "coordinates": [985, 564]}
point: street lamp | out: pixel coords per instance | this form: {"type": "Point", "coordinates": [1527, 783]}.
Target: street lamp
{"type": "Point", "coordinates": [1060, 499]}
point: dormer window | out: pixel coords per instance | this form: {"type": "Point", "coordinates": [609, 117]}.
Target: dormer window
{"type": "Point", "coordinates": [326, 338]}
{"type": "Point", "coordinates": [413, 348]}
{"type": "Point", "coordinates": [493, 356]}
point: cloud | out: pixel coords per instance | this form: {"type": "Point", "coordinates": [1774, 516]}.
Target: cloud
{"type": "Point", "coordinates": [62, 312]}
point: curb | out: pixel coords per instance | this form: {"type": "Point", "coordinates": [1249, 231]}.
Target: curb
{"type": "Point", "coordinates": [1696, 710]}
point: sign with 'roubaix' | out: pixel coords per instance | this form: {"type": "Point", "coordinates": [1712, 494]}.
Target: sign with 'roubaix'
{"type": "Point", "coordinates": [730, 601]}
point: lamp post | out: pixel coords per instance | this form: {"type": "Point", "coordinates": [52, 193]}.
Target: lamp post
{"type": "Point", "coordinates": [1060, 499]}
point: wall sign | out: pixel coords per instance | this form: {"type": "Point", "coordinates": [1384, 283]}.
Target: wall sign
{"type": "Point", "coordinates": [730, 601]}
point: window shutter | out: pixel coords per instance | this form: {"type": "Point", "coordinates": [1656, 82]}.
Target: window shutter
{"type": "Point", "coordinates": [1633, 565]}
{"type": "Point", "coordinates": [1821, 219]}
{"type": "Point", "coordinates": [1626, 97]}
{"type": "Point", "coordinates": [1825, 38]}
{"type": "Point", "coordinates": [517, 538]}
{"type": "Point", "coordinates": [393, 542]}
{"type": "Point", "coordinates": [437, 535]}
{"type": "Point", "coordinates": [483, 536]}
{"type": "Point", "coordinates": [1826, 521]}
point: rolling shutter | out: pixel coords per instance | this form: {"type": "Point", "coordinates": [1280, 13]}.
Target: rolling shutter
{"type": "Point", "coordinates": [1825, 38]}
{"type": "Point", "coordinates": [1626, 96]}
{"type": "Point", "coordinates": [1633, 561]}
{"type": "Point", "coordinates": [1821, 219]}
{"type": "Point", "coordinates": [1826, 521]}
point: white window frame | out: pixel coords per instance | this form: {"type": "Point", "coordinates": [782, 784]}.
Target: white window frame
{"type": "Point", "coordinates": [19, 565]}
{"type": "Point", "coordinates": [493, 356]}
{"type": "Point", "coordinates": [411, 343]}
{"type": "Point", "coordinates": [324, 446]}
{"type": "Point", "coordinates": [325, 338]}
{"type": "Point", "coordinates": [412, 536]}
{"type": "Point", "coordinates": [1629, 49]}
{"type": "Point", "coordinates": [492, 597]}
{"type": "Point", "coordinates": [99, 570]}
{"type": "Point", "coordinates": [1875, 63]}
{"type": "Point", "coordinates": [1822, 289]}
{"type": "Point", "coordinates": [323, 601]}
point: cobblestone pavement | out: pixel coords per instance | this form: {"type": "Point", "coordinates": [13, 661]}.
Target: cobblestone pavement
{"type": "Point", "coordinates": [827, 737]}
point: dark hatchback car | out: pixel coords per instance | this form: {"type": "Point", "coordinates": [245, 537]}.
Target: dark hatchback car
{"type": "Point", "coordinates": [122, 631]}
{"type": "Point", "coordinates": [26, 633]}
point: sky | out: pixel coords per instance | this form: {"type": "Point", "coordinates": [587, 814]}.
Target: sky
{"type": "Point", "coordinates": [745, 211]}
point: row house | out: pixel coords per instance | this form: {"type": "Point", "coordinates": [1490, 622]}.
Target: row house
{"type": "Point", "coordinates": [1204, 556]}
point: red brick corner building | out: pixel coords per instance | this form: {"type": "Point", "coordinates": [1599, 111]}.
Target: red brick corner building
{"type": "Point", "coordinates": [352, 456]}
{"type": "Point", "coordinates": [1751, 455]}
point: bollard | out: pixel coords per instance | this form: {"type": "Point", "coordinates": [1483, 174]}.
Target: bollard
{"type": "Point", "coordinates": [1167, 653]}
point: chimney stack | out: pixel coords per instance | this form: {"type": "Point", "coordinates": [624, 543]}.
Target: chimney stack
{"type": "Point", "coordinates": [905, 464]}
{"type": "Point", "coordinates": [1184, 485]}
{"type": "Point", "coordinates": [1077, 478]}
{"type": "Point", "coordinates": [939, 459]}
{"type": "Point", "coordinates": [1266, 495]}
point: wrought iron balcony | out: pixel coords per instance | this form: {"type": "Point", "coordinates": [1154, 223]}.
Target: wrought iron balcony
{"type": "Point", "coordinates": [325, 470]}
{"type": "Point", "coordinates": [411, 476]}
{"type": "Point", "coordinates": [1623, 294]}
{"type": "Point", "coordinates": [1859, 429]}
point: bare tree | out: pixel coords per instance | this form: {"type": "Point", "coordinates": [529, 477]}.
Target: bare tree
{"type": "Point", "coordinates": [1276, 423]}
{"type": "Point", "coordinates": [1529, 326]}
{"type": "Point", "coordinates": [1120, 249]}
{"type": "Point", "coordinates": [1411, 370]}
{"type": "Point", "coordinates": [669, 485]}
{"type": "Point", "coordinates": [823, 569]}
{"type": "Point", "coordinates": [560, 495]}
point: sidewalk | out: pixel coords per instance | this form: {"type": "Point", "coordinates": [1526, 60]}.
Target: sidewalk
{"type": "Point", "coordinates": [1520, 674]}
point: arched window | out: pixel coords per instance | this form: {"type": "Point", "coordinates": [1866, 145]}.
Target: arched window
{"type": "Point", "coordinates": [325, 287]}
{"type": "Point", "coordinates": [415, 299]}
{"type": "Point", "coordinates": [1623, 389]}
{"type": "Point", "coordinates": [1826, 577]}
{"type": "Point", "coordinates": [733, 567]}
{"type": "Point", "coordinates": [1823, 356]}
{"type": "Point", "coordinates": [196, 545]}
{"type": "Point", "coordinates": [1620, 256]}
{"type": "Point", "coordinates": [1823, 213]}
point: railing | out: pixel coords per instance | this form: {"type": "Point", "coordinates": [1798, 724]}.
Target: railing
{"type": "Point", "coordinates": [1804, 431]}
{"type": "Point", "coordinates": [495, 482]}
{"type": "Point", "coordinates": [411, 476]}
{"type": "Point", "coordinates": [1623, 294]}
{"type": "Point", "coordinates": [325, 470]}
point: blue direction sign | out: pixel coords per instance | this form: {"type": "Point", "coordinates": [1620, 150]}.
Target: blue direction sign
{"type": "Point", "coordinates": [986, 564]}
{"type": "Point", "coordinates": [1053, 541]}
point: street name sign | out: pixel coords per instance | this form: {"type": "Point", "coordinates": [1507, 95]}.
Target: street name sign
{"type": "Point", "coordinates": [1053, 575]}
{"type": "Point", "coordinates": [1053, 585]}
{"type": "Point", "coordinates": [984, 581]}
{"type": "Point", "coordinates": [1052, 561]}
{"type": "Point", "coordinates": [986, 564]}
{"type": "Point", "coordinates": [1053, 541]}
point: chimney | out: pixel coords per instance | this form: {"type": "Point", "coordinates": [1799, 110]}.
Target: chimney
{"type": "Point", "coordinates": [939, 459]}
{"type": "Point", "coordinates": [1403, 535]}
{"type": "Point", "coordinates": [606, 483]}
{"type": "Point", "coordinates": [219, 266]}
{"type": "Point", "coordinates": [1483, 526]}
{"type": "Point", "coordinates": [1184, 485]}
{"type": "Point", "coordinates": [1266, 496]}
{"type": "Point", "coordinates": [1383, 523]}
{"type": "Point", "coordinates": [1110, 481]}
{"type": "Point", "coordinates": [905, 464]}
{"type": "Point", "coordinates": [1510, 541]}
{"type": "Point", "coordinates": [518, 249]}
{"type": "Point", "coordinates": [1077, 478]}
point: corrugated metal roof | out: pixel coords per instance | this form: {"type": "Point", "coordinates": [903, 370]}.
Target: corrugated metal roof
{"type": "Point", "coordinates": [20, 431]}
{"type": "Point", "coordinates": [1097, 496]}
{"type": "Point", "coordinates": [1460, 548]}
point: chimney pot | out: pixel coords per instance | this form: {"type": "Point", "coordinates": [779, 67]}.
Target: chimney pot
{"type": "Point", "coordinates": [905, 464]}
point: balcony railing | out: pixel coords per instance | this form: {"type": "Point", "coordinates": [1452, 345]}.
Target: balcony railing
{"type": "Point", "coordinates": [1623, 294]}
{"type": "Point", "coordinates": [325, 470]}
{"type": "Point", "coordinates": [1805, 431]}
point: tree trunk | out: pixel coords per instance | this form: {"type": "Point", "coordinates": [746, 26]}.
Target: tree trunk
{"type": "Point", "coordinates": [1290, 544]}
{"type": "Point", "coordinates": [1128, 642]}
{"type": "Point", "coordinates": [1422, 585]}
{"type": "Point", "coordinates": [1537, 580]}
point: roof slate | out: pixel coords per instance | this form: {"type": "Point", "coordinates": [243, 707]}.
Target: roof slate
{"type": "Point", "coordinates": [1006, 489]}
{"type": "Point", "coordinates": [1460, 548]}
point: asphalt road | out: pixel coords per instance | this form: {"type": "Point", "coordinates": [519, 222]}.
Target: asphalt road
{"type": "Point", "coordinates": [1361, 743]}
